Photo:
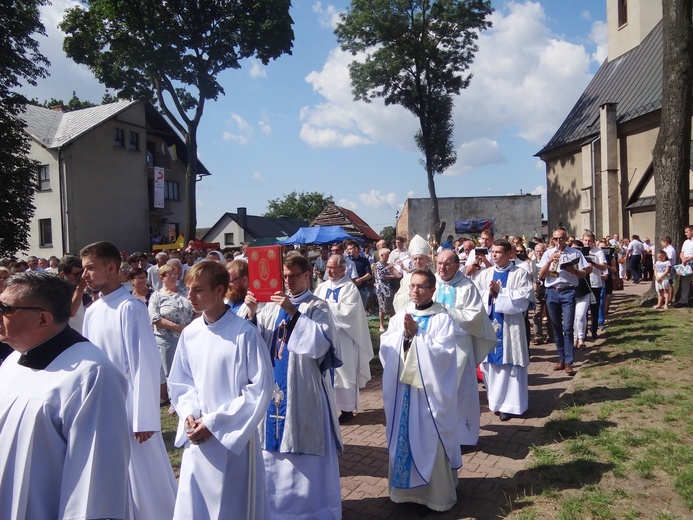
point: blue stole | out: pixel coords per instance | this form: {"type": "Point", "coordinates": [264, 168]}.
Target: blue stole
{"type": "Point", "coordinates": [236, 306]}
{"type": "Point", "coordinates": [401, 468]}
{"type": "Point", "coordinates": [446, 296]}
{"type": "Point", "coordinates": [334, 292]}
{"type": "Point", "coordinates": [495, 357]}
{"type": "Point", "coordinates": [276, 411]}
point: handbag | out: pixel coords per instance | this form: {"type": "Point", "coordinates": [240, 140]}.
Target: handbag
{"type": "Point", "coordinates": [617, 283]}
{"type": "Point", "coordinates": [683, 269]}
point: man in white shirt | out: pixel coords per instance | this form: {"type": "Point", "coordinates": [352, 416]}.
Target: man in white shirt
{"type": "Point", "coordinates": [634, 258]}
{"type": "Point", "coordinates": [153, 279]}
{"type": "Point", "coordinates": [474, 265]}
{"type": "Point", "coordinates": [686, 258]}
{"type": "Point", "coordinates": [560, 268]}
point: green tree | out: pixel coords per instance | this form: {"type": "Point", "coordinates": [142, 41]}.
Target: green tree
{"type": "Point", "coordinates": [417, 53]}
{"type": "Point", "coordinates": [298, 206]}
{"type": "Point", "coordinates": [20, 62]}
{"type": "Point", "coordinates": [172, 53]}
{"type": "Point", "coordinates": [388, 235]}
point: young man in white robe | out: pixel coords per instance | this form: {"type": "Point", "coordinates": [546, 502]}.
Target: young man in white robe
{"type": "Point", "coordinates": [507, 292]}
{"type": "Point", "coordinates": [355, 344]}
{"type": "Point", "coordinates": [300, 434]}
{"type": "Point", "coordinates": [119, 324]}
{"type": "Point", "coordinates": [221, 384]}
{"type": "Point", "coordinates": [461, 299]}
{"type": "Point", "coordinates": [418, 353]}
{"type": "Point", "coordinates": [420, 255]}
{"type": "Point", "coordinates": [63, 447]}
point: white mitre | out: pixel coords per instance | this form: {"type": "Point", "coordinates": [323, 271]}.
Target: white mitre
{"type": "Point", "coordinates": [418, 246]}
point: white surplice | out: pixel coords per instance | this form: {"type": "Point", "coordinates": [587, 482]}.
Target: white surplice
{"type": "Point", "coordinates": [507, 383]}
{"type": "Point", "coordinates": [119, 324]}
{"type": "Point", "coordinates": [354, 339]}
{"type": "Point", "coordinates": [222, 372]}
{"type": "Point", "coordinates": [302, 485]}
{"type": "Point", "coordinates": [53, 463]}
{"type": "Point", "coordinates": [461, 300]}
{"type": "Point", "coordinates": [428, 374]}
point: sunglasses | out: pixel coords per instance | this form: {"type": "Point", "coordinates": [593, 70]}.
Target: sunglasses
{"type": "Point", "coordinates": [9, 309]}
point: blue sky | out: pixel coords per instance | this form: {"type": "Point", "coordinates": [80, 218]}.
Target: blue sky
{"type": "Point", "coordinates": [293, 125]}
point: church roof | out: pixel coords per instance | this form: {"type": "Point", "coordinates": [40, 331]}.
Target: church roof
{"type": "Point", "coordinates": [633, 81]}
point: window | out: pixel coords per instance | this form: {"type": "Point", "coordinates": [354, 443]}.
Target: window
{"type": "Point", "coordinates": [134, 141]}
{"type": "Point", "coordinates": [45, 232]}
{"type": "Point", "coordinates": [622, 12]}
{"type": "Point", "coordinates": [172, 190]}
{"type": "Point", "coordinates": [118, 138]}
{"type": "Point", "coordinates": [44, 178]}
{"type": "Point", "coordinates": [228, 239]}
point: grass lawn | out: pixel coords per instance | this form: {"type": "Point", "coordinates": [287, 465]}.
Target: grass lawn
{"type": "Point", "coordinates": [621, 444]}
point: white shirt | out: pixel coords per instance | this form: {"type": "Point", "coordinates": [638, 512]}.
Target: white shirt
{"type": "Point", "coordinates": [564, 278]}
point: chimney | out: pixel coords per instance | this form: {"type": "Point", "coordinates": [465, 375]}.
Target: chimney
{"type": "Point", "coordinates": [243, 218]}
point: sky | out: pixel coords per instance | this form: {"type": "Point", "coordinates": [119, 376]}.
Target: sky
{"type": "Point", "coordinates": [293, 125]}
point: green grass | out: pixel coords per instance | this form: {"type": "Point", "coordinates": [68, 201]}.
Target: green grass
{"type": "Point", "coordinates": [627, 420]}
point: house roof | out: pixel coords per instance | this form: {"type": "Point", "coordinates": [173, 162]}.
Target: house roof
{"type": "Point", "coordinates": [633, 81]}
{"type": "Point", "coordinates": [264, 227]}
{"type": "Point", "coordinates": [53, 128]}
{"type": "Point", "coordinates": [334, 215]}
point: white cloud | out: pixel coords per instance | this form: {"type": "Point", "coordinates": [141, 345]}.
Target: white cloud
{"type": "Point", "coordinates": [327, 16]}
{"type": "Point", "coordinates": [410, 194]}
{"type": "Point", "coordinates": [599, 36]}
{"type": "Point", "coordinates": [475, 154]}
{"type": "Point", "coordinates": [264, 125]}
{"type": "Point", "coordinates": [256, 175]}
{"type": "Point", "coordinates": [375, 199]}
{"type": "Point", "coordinates": [526, 79]}
{"type": "Point", "coordinates": [257, 70]}
{"type": "Point", "coordinates": [585, 15]}
{"type": "Point", "coordinates": [344, 203]}
{"type": "Point", "coordinates": [242, 130]}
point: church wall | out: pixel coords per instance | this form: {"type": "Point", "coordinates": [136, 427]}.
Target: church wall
{"type": "Point", "coordinates": [643, 15]}
{"type": "Point", "coordinates": [564, 183]}
{"type": "Point", "coordinates": [512, 214]}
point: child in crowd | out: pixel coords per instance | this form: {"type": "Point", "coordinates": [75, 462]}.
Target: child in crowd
{"type": "Point", "coordinates": [662, 272]}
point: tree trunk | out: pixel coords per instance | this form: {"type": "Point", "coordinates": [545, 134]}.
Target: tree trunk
{"type": "Point", "coordinates": [191, 186]}
{"type": "Point", "coordinates": [436, 226]}
{"type": "Point", "coordinates": [671, 155]}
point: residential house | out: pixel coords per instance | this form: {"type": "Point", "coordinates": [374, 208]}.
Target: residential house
{"type": "Point", "coordinates": [235, 229]}
{"type": "Point", "coordinates": [96, 177]}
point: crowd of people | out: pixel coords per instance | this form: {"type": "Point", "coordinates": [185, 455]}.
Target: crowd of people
{"type": "Point", "coordinates": [93, 345]}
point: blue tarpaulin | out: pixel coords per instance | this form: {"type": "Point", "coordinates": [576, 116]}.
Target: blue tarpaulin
{"type": "Point", "coordinates": [475, 225]}
{"type": "Point", "coordinates": [318, 235]}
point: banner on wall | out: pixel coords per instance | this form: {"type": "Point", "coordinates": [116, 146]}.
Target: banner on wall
{"type": "Point", "coordinates": [159, 187]}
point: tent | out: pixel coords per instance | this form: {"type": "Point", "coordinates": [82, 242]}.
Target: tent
{"type": "Point", "coordinates": [318, 235]}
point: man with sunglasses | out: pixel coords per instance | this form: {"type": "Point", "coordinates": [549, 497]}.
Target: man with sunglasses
{"type": "Point", "coordinates": [300, 434]}
{"type": "Point", "coordinates": [62, 406]}
{"type": "Point", "coordinates": [561, 267]}
{"type": "Point", "coordinates": [418, 353]}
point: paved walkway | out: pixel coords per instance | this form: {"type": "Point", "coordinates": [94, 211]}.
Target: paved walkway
{"type": "Point", "coordinates": [486, 478]}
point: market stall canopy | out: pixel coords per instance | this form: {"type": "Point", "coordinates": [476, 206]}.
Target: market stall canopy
{"type": "Point", "coordinates": [318, 235]}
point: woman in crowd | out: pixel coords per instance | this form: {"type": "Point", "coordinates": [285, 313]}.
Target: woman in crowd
{"type": "Point", "coordinates": [140, 289]}
{"type": "Point", "coordinates": [583, 295]}
{"type": "Point", "coordinates": [384, 274]}
{"type": "Point", "coordinates": [170, 313]}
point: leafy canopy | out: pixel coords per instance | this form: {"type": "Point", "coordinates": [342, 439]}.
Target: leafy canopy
{"type": "Point", "coordinates": [20, 62]}
{"type": "Point", "coordinates": [298, 206]}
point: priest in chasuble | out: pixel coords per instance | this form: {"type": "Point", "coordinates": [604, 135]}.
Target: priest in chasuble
{"type": "Point", "coordinates": [418, 353]}
{"type": "Point", "coordinates": [355, 345]}
{"type": "Point", "coordinates": [299, 434]}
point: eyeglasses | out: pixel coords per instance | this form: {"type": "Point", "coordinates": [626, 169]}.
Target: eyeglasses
{"type": "Point", "coordinates": [9, 309]}
{"type": "Point", "coordinates": [292, 276]}
{"type": "Point", "coordinates": [414, 287]}
{"type": "Point", "coordinates": [232, 280]}
{"type": "Point", "coordinates": [78, 274]}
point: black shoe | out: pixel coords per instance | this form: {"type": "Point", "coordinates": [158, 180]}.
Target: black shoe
{"type": "Point", "coordinates": [680, 305]}
{"type": "Point", "coordinates": [346, 417]}
{"type": "Point", "coordinates": [505, 416]}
